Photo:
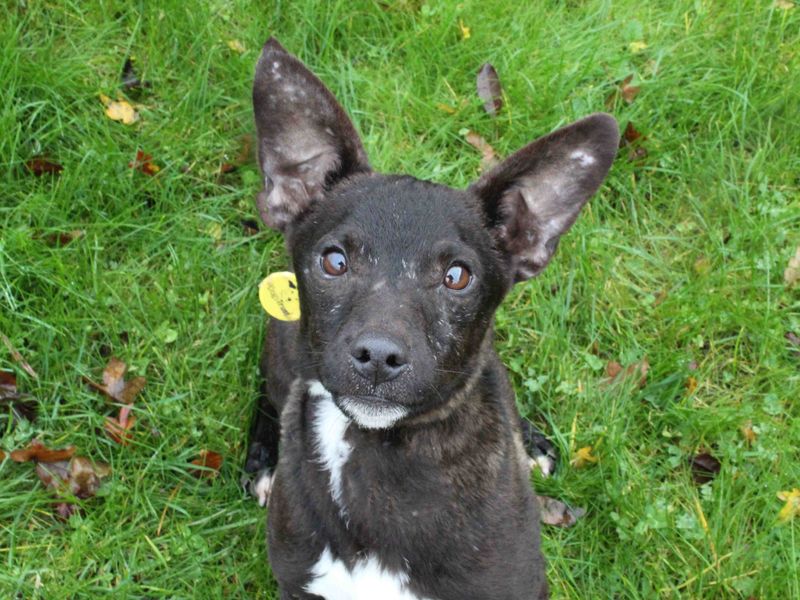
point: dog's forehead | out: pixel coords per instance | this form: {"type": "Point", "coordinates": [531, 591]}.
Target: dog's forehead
{"type": "Point", "coordinates": [404, 214]}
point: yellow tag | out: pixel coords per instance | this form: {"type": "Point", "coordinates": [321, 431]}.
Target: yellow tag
{"type": "Point", "coordinates": [278, 295]}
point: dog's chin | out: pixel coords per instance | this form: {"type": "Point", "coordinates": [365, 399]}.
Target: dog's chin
{"type": "Point", "coordinates": [371, 412]}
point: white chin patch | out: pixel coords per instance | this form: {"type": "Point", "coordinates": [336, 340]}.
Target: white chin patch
{"type": "Point", "coordinates": [372, 416]}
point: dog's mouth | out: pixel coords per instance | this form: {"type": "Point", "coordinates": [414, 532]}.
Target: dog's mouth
{"type": "Point", "coordinates": [372, 412]}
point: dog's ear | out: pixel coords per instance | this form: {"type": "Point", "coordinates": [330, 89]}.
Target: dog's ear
{"type": "Point", "coordinates": [306, 142]}
{"type": "Point", "coordinates": [533, 197]}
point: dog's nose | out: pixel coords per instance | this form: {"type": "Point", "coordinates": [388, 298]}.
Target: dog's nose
{"type": "Point", "coordinates": [378, 358]}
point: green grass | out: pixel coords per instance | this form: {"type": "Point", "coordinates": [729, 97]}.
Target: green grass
{"type": "Point", "coordinates": [679, 259]}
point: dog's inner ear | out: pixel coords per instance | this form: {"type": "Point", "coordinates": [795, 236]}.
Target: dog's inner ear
{"type": "Point", "coordinates": [306, 142]}
{"type": "Point", "coordinates": [533, 197]}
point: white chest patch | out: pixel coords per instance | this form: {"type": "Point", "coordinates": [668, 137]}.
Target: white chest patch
{"type": "Point", "coordinates": [368, 580]}
{"type": "Point", "coordinates": [330, 425]}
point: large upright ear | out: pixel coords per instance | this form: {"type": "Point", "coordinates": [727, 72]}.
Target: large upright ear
{"type": "Point", "coordinates": [534, 196]}
{"type": "Point", "coordinates": [306, 142]}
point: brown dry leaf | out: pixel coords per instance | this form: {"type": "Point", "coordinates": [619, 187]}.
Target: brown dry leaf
{"type": "Point", "coordinates": [489, 158]}
{"type": "Point", "coordinates": [636, 372]}
{"type": "Point", "coordinates": [704, 467]}
{"type": "Point", "coordinates": [209, 459]}
{"type": "Point", "coordinates": [22, 405]}
{"type": "Point", "coordinates": [143, 163]}
{"type": "Point", "coordinates": [119, 110]}
{"type": "Point", "coordinates": [489, 89]}
{"type": "Point", "coordinates": [748, 433]}
{"type": "Point", "coordinates": [119, 428]}
{"type": "Point", "coordinates": [624, 90]}
{"type": "Point", "coordinates": [583, 457]}
{"type": "Point", "coordinates": [635, 140]}
{"type": "Point", "coordinates": [691, 385]}
{"type": "Point", "coordinates": [61, 238]}
{"type": "Point", "coordinates": [77, 477]}
{"type": "Point", "coordinates": [114, 385]}
{"type": "Point", "coordinates": [38, 452]}
{"type": "Point", "coordinates": [792, 273]}
{"type": "Point", "coordinates": [555, 512]}
{"type": "Point", "coordinates": [39, 165]}
{"type": "Point", "coordinates": [241, 158]}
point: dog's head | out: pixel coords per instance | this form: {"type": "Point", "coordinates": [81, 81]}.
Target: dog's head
{"type": "Point", "coordinates": [399, 278]}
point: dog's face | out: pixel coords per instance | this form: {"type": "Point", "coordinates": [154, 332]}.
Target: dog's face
{"type": "Point", "coordinates": [399, 278]}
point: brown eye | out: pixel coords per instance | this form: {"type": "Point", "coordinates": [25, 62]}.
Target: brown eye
{"type": "Point", "coordinates": [334, 263]}
{"type": "Point", "coordinates": [457, 277]}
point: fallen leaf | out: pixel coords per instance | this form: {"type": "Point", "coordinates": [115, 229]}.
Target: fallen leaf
{"type": "Point", "coordinates": [636, 47]}
{"type": "Point", "coordinates": [143, 163]}
{"type": "Point", "coordinates": [210, 461]}
{"type": "Point", "coordinates": [792, 273]}
{"type": "Point", "coordinates": [691, 385]}
{"type": "Point", "coordinates": [119, 428]}
{"type": "Point", "coordinates": [630, 135]}
{"type": "Point", "coordinates": [62, 238]}
{"type": "Point", "coordinates": [119, 110]}
{"type": "Point", "coordinates": [236, 46]}
{"type": "Point", "coordinates": [748, 433]}
{"type": "Point", "coordinates": [78, 477]}
{"type": "Point", "coordinates": [489, 89]}
{"type": "Point", "coordinates": [704, 467]}
{"type": "Point", "coordinates": [130, 80]}
{"type": "Point", "coordinates": [583, 457]}
{"type": "Point", "coordinates": [446, 108]}
{"type": "Point", "coordinates": [489, 157]}
{"type": "Point", "coordinates": [465, 31]}
{"type": "Point", "coordinates": [215, 231]}
{"type": "Point", "coordinates": [792, 507]}
{"type": "Point", "coordinates": [40, 165]}
{"type": "Point", "coordinates": [633, 138]}
{"type": "Point", "coordinates": [636, 372]}
{"type": "Point", "coordinates": [18, 357]}
{"type": "Point", "coordinates": [36, 451]}
{"type": "Point", "coordinates": [555, 512]}
{"type": "Point", "coordinates": [784, 4]}
{"type": "Point", "coordinates": [623, 90]}
{"type": "Point", "coordinates": [114, 385]}
{"type": "Point", "coordinates": [22, 405]}
{"type": "Point", "coordinates": [241, 158]}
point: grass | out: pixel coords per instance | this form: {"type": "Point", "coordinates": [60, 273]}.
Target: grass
{"type": "Point", "coordinates": [678, 259]}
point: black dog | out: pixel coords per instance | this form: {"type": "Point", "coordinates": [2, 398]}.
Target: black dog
{"type": "Point", "coordinates": [402, 472]}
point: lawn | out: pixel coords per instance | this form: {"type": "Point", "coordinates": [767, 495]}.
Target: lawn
{"type": "Point", "coordinates": [678, 261]}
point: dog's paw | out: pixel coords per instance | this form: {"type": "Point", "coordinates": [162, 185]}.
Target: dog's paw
{"type": "Point", "coordinates": [541, 451]}
{"type": "Point", "coordinates": [259, 485]}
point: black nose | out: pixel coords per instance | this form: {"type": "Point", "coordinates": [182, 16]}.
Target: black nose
{"type": "Point", "coordinates": [378, 358]}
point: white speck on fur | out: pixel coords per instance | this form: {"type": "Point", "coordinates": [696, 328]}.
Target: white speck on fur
{"type": "Point", "coordinates": [545, 464]}
{"type": "Point", "coordinates": [330, 425]}
{"type": "Point", "coordinates": [582, 157]}
{"type": "Point", "coordinates": [262, 487]}
{"type": "Point", "coordinates": [367, 580]}
{"type": "Point", "coordinates": [370, 416]}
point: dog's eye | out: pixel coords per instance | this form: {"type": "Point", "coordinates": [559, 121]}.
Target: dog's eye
{"type": "Point", "coordinates": [457, 277]}
{"type": "Point", "coordinates": [334, 262]}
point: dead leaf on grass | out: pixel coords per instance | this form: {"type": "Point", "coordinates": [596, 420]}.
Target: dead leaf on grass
{"type": "Point", "coordinates": [623, 90]}
{"type": "Point", "coordinates": [78, 477]}
{"type": "Point", "coordinates": [555, 512]}
{"type": "Point", "coordinates": [211, 461]}
{"type": "Point", "coordinates": [748, 433]}
{"type": "Point", "coordinates": [785, 4]}
{"type": "Point", "coordinates": [489, 89]}
{"type": "Point", "coordinates": [22, 406]}
{"type": "Point", "coordinates": [241, 158]}
{"type": "Point", "coordinates": [119, 110]}
{"type": "Point", "coordinates": [705, 467]}
{"type": "Point", "coordinates": [36, 451]}
{"type": "Point", "coordinates": [18, 357]}
{"type": "Point", "coordinates": [119, 428]}
{"type": "Point", "coordinates": [635, 372]}
{"type": "Point", "coordinates": [792, 507]}
{"type": "Point", "coordinates": [39, 165]}
{"type": "Point", "coordinates": [114, 385]}
{"type": "Point", "coordinates": [583, 457]}
{"type": "Point", "coordinates": [489, 158]}
{"type": "Point", "coordinates": [143, 163]}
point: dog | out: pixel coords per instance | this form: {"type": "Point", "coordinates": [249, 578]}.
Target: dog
{"type": "Point", "coordinates": [404, 464]}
